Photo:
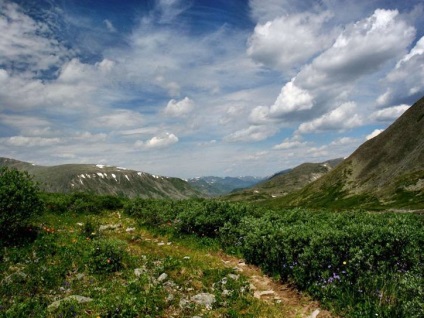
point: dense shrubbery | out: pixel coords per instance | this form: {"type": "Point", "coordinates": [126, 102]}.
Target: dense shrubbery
{"type": "Point", "coordinates": [81, 202]}
{"type": "Point", "coordinates": [19, 201]}
{"type": "Point", "coordinates": [362, 264]}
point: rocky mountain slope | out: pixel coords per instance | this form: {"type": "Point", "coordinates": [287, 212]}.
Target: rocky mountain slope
{"type": "Point", "coordinates": [287, 181]}
{"type": "Point", "coordinates": [386, 170]}
{"type": "Point", "coordinates": [102, 179]}
{"type": "Point", "coordinates": [215, 186]}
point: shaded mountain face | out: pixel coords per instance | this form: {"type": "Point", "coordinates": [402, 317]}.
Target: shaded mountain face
{"type": "Point", "coordinates": [287, 181]}
{"type": "Point", "coordinates": [386, 170]}
{"type": "Point", "coordinates": [215, 186]}
{"type": "Point", "coordinates": [104, 180]}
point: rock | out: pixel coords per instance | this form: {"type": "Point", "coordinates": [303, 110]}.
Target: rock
{"type": "Point", "coordinates": [161, 244]}
{"type": "Point", "coordinates": [130, 229]}
{"type": "Point", "coordinates": [259, 294]}
{"type": "Point", "coordinates": [204, 299]}
{"type": "Point", "coordinates": [186, 257]}
{"type": "Point", "coordinates": [162, 277]}
{"type": "Point", "coordinates": [80, 224]}
{"type": "Point", "coordinates": [314, 314]}
{"type": "Point", "coordinates": [109, 227]}
{"type": "Point", "coordinates": [233, 276]}
{"type": "Point", "coordinates": [139, 271]}
{"type": "Point", "coordinates": [80, 276]}
{"type": "Point", "coordinates": [77, 298]}
{"type": "Point", "coordinates": [184, 303]}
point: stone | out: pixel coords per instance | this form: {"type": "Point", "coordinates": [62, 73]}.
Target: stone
{"type": "Point", "coordinates": [130, 229]}
{"type": "Point", "coordinates": [79, 299]}
{"type": "Point", "coordinates": [315, 313]}
{"type": "Point", "coordinates": [204, 299]}
{"type": "Point", "coordinates": [109, 227]}
{"type": "Point", "coordinates": [259, 294]}
{"type": "Point", "coordinates": [139, 271]}
{"type": "Point", "coordinates": [162, 277]}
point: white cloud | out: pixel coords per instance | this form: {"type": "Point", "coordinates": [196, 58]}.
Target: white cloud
{"type": "Point", "coordinates": [179, 108]}
{"type": "Point", "coordinates": [389, 114]}
{"type": "Point", "coordinates": [407, 78]}
{"type": "Point", "coordinates": [22, 44]}
{"type": "Point", "coordinates": [288, 41]}
{"type": "Point", "coordinates": [362, 48]}
{"type": "Point", "coordinates": [290, 144]}
{"type": "Point", "coordinates": [342, 118]}
{"type": "Point", "coordinates": [291, 99]}
{"type": "Point", "coordinates": [253, 133]}
{"type": "Point", "coordinates": [375, 133]}
{"type": "Point", "coordinates": [109, 25]}
{"type": "Point", "coordinates": [160, 141]}
{"type": "Point", "coordinates": [119, 118]}
{"type": "Point", "coordinates": [24, 141]}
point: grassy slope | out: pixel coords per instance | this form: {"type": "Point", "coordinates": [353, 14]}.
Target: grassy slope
{"type": "Point", "coordinates": [287, 182]}
{"type": "Point", "coordinates": [386, 171]}
{"type": "Point", "coordinates": [86, 178]}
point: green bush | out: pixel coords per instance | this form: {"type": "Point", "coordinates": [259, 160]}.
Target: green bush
{"type": "Point", "coordinates": [19, 201]}
{"type": "Point", "coordinates": [107, 256]}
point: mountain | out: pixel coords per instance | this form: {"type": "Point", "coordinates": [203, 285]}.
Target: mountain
{"type": "Point", "coordinates": [387, 170]}
{"type": "Point", "coordinates": [215, 186]}
{"type": "Point", "coordinates": [287, 181]}
{"type": "Point", "coordinates": [102, 179]}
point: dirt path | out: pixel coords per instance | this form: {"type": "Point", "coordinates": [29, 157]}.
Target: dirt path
{"type": "Point", "coordinates": [266, 289]}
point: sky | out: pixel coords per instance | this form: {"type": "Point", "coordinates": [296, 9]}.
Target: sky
{"type": "Point", "coordinates": [189, 88]}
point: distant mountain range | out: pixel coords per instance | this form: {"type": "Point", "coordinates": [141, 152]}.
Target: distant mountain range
{"type": "Point", "coordinates": [215, 186]}
{"type": "Point", "coordinates": [102, 179]}
{"type": "Point", "coordinates": [286, 181]}
{"type": "Point", "coordinates": [386, 171]}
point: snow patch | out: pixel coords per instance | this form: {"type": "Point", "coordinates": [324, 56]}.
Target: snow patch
{"type": "Point", "coordinates": [100, 166]}
{"type": "Point", "coordinates": [100, 175]}
{"type": "Point", "coordinates": [82, 176]}
{"type": "Point", "coordinates": [127, 177]}
{"type": "Point", "coordinates": [114, 176]}
{"type": "Point", "coordinates": [121, 168]}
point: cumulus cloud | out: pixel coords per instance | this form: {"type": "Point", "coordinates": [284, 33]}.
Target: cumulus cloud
{"type": "Point", "coordinates": [362, 48]}
{"type": "Point", "coordinates": [375, 133]}
{"type": "Point", "coordinates": [290, 143]}
{"type": "Point", "coordinates": [179, 108]}
{"type": "Point", "coordinates": [288, 41]}
{"type": "Point", "coordinates": [253, 133]}
{"type": "Point", "coordinates": [321, 86]}
{"type": "Point", "coordinates": [389, 114]}
{"type": "Point", "coordinates": [160, 141]}
{"type": "Point", "coordinates": [407, 78]}
{"type": "Point", "coordinates": [342, 118]}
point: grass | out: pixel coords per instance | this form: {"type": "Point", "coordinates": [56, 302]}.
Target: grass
{"type": "Point", "coordinates": [66, 259]}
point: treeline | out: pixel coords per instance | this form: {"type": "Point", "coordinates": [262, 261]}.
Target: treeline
{"type": "Point", "coordinates": [357, 263]}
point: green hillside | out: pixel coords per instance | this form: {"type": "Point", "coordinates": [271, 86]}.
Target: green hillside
{"type": "Point", "coordinates": [104, 180]}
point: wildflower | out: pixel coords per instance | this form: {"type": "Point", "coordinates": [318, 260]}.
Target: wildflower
{"type": "Point", "coordinates": [344, 262]}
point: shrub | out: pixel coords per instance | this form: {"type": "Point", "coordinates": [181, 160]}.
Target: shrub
{"type": "Point", "coordinates": [19, 201]}
{"type": "Point", "coordinates": [107, 256]}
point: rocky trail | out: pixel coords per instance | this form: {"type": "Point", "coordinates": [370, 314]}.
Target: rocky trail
{"type": "Point", "coordinates": [270, 291]}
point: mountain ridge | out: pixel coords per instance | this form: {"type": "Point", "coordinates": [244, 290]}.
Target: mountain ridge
{"type": "Point", "coordinates": [103, 179]}
{"type": "Point", "coordinates": [385, 170]}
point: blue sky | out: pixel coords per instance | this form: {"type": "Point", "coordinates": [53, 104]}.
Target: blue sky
{"type": "Point", "coordinates": [193, 88]}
